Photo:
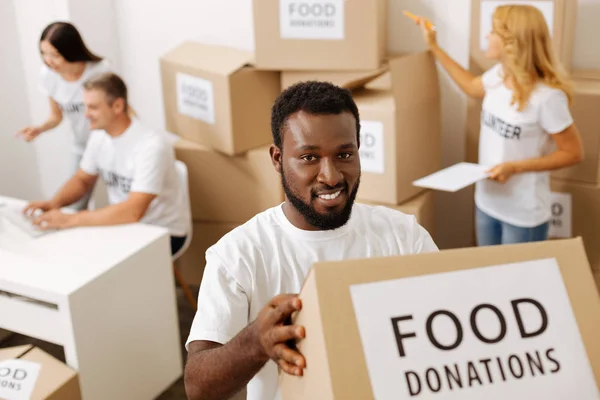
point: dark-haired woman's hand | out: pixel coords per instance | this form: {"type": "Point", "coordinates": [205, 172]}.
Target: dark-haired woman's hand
{"type": "Point", "coordinates": [29, 133]}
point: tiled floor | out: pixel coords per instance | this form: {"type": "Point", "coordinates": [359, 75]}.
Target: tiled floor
{"type": "Point", "coordinates": [186, 315]}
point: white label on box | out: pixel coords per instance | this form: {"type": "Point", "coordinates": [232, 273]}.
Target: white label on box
{"type": "Point", "coordinates": [500, 332]}
{"type": "Point", "coordinates": [195, 98]}
{"type": "Point", "coordinates": [487, 10]}
{"type": "Point", "coordinates": [311, 19]}
{"type": "Point", "coordinates": [18, 378]}
{"type": "Point", "coordinates": [372, 151]}
{"type": "Point", "coordinates": [560, 222]}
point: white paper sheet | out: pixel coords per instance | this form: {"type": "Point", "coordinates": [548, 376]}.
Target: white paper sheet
{"type": "Point", "coordinates": [454, 178]}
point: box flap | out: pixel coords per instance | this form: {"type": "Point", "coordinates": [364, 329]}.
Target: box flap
{"type": "Point", "coordinates": [220, 60]}
{"type": "Point", "coordinates": [346, 79]}
{"type": "Point", "coordinates": [9, 353]}
{"type": "Point", "coordinates": [53, 375]}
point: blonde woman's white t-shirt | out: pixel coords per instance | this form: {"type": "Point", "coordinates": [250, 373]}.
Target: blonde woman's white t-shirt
{"type": "Point", "coordinates": [511, 135]}
{"type": "Point", "coordinates": [69, 96]}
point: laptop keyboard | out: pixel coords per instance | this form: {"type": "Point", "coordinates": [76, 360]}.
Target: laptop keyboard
{"type": "Point", "coordinates": [23, 222]}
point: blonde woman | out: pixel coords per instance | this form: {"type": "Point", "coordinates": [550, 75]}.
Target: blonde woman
{"type": "Point", "coordinates": [526, 108]}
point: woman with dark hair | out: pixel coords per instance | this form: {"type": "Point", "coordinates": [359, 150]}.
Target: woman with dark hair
{"type": "Point", "coordinates": [68, 63]}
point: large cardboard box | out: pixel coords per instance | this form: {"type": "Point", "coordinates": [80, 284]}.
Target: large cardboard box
{"type": "Point", "coordinates": [55, 380]}
{"type": "Point", "coordinates": [585, 109]}
{"type": "Point", "coordinates": [576, 212]}
{"type": "Point", "coordinates": [214, 96]}
{"type": "Point", "coordinates": [400, 130]}
{"type": "Point", "coordinates": [560, 16]}
{"type": "Point", "coordinates": [192, 262]}
{"type": "Point", "coordinates": [229, 188]}
{"type": "Point", "coordinates": [422, 207]}
{"type": "Point", "coordinates": [319, 34]}
{"type": "Point", "coordinates": [505, 322]}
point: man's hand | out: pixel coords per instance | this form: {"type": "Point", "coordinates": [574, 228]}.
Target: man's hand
{"type": "Point", "coordinates": [43, 206]}
{"type": "Point", "coordinates": [274, 335]}
{"type": "Point", "coordinates": [55, 219]}
{"type": "Point", "coordinates": [502, 172]}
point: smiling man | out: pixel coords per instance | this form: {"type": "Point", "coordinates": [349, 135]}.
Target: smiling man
{"type": "Point", "coordinates": [137, 166]}
{"type": "Point", "coordinates": [239, 335]}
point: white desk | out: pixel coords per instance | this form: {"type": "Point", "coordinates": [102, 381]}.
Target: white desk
{"type": "Point", "coordinates": [111, 303]}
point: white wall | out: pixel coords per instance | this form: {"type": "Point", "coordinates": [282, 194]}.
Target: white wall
{"type": "Point", "coordinates": [18, 164]}
{"type": "Point", "coordinates": [149, 28]}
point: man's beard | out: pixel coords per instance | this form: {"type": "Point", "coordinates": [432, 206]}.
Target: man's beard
{"type": "Point", "coordinates": [329, 221]}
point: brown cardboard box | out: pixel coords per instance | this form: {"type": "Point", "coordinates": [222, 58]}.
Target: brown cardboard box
{"type": "Point", "coordinates": [564, 15]}
{"type": "Point", "coordinates": [578, 215]}
{"type": "Point", "coordinates": [586, 113]}
{"type": "Point", "coordinates": [213, 96]}
{"type": "Point", "coordinates": [421, 206]}
{"type": "Point", "coordinates": [229, 188]}
{"type": "Point", "coordinates": [371, 324]}
{"type": "Point", "coordinates": [400, 130]}
{"type": "Point", "coordinates": [347, 79]}
{"type": "Point", "coordinates": [205, 234]}
{"type": "Point", "coordinates": [56, 381]}
{"type": "Point", "coordinates": [319, 34]}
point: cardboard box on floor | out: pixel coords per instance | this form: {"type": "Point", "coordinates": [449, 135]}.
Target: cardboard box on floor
{"type": "Point", "coordinates": [192, 262]}
{"type": "Point", "coordinates": [422, 207]}
{"type": "Point", "coordinates": [214, 96]}
{"type": "Point", "coordinates": [561, 16]}
{"type": "Point", "coordinates": [229, 188]}
{"type": "Point", "coordinates": [387, 328]}
{"type": "Point", "coordinates": [56, 381]}
{"type": "Point", "coordinates": [319, 34]}
{"type": "Point", "coordinates": [576, 212]}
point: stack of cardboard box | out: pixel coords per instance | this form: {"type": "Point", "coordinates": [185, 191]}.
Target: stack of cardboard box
{"type": "Point", "coordinates": [219, 105]}
{"type": "Point", "coordinates": [218, 100]}
{"type": "Point", "coordinates": [576, 203]}
{"type": "Point", "coordinates": [397, 95]}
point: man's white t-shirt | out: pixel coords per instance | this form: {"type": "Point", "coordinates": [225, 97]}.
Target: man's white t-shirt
{"type": "Point", "coordinates": [69, 96]}
{"type": "Point", "coordinates": [508, 134]}
{"type": "Point", "coordinates": [140, 160]}
{"type": "Point", "coordinates": [268, 256]}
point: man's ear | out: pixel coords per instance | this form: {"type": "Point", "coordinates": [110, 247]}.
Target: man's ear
{"type": "Point", "coordinates": [275, 153]}
{"type": "Point", "coordinates": [119, 105]}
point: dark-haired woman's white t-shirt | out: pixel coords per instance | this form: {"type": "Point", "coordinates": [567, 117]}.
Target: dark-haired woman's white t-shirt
{"type": "Point", "coordinates": [69, 96]}
{"type": "Point", "coordinates": [511, 135]}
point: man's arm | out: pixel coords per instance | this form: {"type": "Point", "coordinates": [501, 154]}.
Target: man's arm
{"type": "Point", "coordinates": [214, 371]}
{"type": "Point", "coordinates": [74, 189]}
{"type": "Point", "coordinates": [130, 211]}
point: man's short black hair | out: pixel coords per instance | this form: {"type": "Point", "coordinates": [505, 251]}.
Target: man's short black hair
{"type": "Point", "coordinates": [313, 97]}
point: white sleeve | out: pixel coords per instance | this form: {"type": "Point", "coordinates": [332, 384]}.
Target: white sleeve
{"type": "Point", "coordinates": [422, 240]}
{"type": "Point", "coordinates": [223, 306]}
{"type": "Point", "coordinates": [492, 77]}
{"type": "Point", "coordinates": [89, 160]}
{"type": "Point", "coordinates": [555, 115]}
{"type": "Point", "coordinates": [150, 167]}
{"type": "Point", "coordinates": [46, 82]}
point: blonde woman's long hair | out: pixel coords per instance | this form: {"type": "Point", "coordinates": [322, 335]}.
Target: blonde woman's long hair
{"type": "Point", "coordinates": [529, 56]}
